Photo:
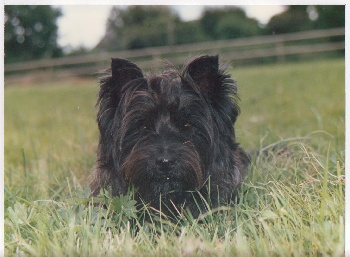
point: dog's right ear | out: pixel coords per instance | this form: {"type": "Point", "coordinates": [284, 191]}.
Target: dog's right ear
{"type": "Point", "coordinates": [124, 71]}
{"type": "Point", "coordinates": [110, 94]}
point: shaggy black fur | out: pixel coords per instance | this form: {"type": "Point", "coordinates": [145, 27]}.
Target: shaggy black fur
{"type": "Point", "coordinates": [169, 136]}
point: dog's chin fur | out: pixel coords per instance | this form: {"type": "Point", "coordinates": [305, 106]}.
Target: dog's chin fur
{"type": "Point", "coordinates": [168, 135]}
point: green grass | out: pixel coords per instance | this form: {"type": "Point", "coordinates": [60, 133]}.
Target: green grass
{"type": "Point", "coordinates": [292, 203]}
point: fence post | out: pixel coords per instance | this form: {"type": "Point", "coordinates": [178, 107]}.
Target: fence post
{"type": "Point", "coordinates": [280, 52]}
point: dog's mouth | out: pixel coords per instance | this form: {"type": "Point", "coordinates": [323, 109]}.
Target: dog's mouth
{"type": "Point", "coordinates": [165, 186]}
{"type": "Point", "coordinates": [137, 170]}
{"type": "Point", "coordinates": [168, 183]}
{"type": "Point", "coordinates": [170, 192]}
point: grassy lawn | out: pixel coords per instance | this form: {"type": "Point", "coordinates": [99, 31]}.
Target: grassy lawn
{"type": "Point", "coordinates": [292, 203]}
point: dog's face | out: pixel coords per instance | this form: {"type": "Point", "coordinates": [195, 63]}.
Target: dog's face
{"type": "Point", "coordinates": [165, 136]}
{"type": "Point", "coordinates": [160, 132]}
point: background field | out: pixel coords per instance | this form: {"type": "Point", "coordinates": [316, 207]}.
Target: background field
{"type": "Point", "coordinates": [291, 204]}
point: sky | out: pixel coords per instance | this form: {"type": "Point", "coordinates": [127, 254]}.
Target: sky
{"type": "Point", "coordinates": [85, 25]}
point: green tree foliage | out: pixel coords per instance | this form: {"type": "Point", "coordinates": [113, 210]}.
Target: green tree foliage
{"type": "Point", "coordinates": [148, 26]}
{"type": "Point", "coordinates": [303, 17]}
{"type": "Point", "coordinates": [30, 32]}
{"type": "Point", "coordinates": [138, 27]}
{"type": "Point", "coordinates": [295, 18]}
{"type": "Point", "coordinates": [189, 32]}
{"type": "Point", "coordinates": [330, 16]}
{"type": "Point", "coordinates": [228, 23]}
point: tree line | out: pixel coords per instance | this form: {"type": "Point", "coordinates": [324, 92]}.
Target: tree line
{"type": "Point", "coordinates": [31, 31]}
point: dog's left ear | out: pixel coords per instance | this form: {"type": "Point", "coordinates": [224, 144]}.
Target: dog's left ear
{"type": "Point", "coordinates": [124, 71]}
{"type": "Point", "coordinates": [204, 71]}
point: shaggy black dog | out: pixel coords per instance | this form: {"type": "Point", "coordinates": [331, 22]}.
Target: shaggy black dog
{"type": "Point", "coordinates": [170, 137]}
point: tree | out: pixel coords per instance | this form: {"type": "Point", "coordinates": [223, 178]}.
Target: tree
{"type": "Point", "coordinates": [137, 27]}
{"type": "Point", "coordinates": [31, 32]}
{"type": "Point", "coordinates": [304, 17]}
{"type": "Point", "coordinates": [329, 16]}
{"type": "Point", "coordinates": [189, 32]}
{"type": "Point", "coordinates": [148, 26]}
{"type": "Point", "coordinates": [295, 18]}
{"type": "Point", "coordinates": [228, 23]}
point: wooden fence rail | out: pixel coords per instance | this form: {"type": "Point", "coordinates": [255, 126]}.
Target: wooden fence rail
{"type": "Point", "coordinates": [239, 49]}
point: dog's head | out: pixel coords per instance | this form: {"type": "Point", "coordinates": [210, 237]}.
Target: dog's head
{"type": "Point", "coordinates": [160, 131]}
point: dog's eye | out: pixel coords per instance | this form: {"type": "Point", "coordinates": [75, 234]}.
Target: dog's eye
{"type": "Point", "coordinates": [143, 128]}
{"type": "Point", "coordinates": [187, 127]}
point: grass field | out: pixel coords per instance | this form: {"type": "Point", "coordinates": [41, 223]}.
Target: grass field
{"type": "Point", "coordinates": [292, 203]}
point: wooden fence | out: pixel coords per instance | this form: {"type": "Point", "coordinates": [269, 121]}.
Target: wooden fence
{"type": "Point", "coordinates": [276, 46]}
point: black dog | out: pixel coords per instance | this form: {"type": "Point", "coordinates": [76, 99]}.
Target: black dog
{"type": "Point", "coordinates": [169, 136]}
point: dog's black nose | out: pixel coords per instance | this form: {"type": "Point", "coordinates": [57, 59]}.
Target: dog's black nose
{"type": "Point", "coordinates": [164, 163]}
